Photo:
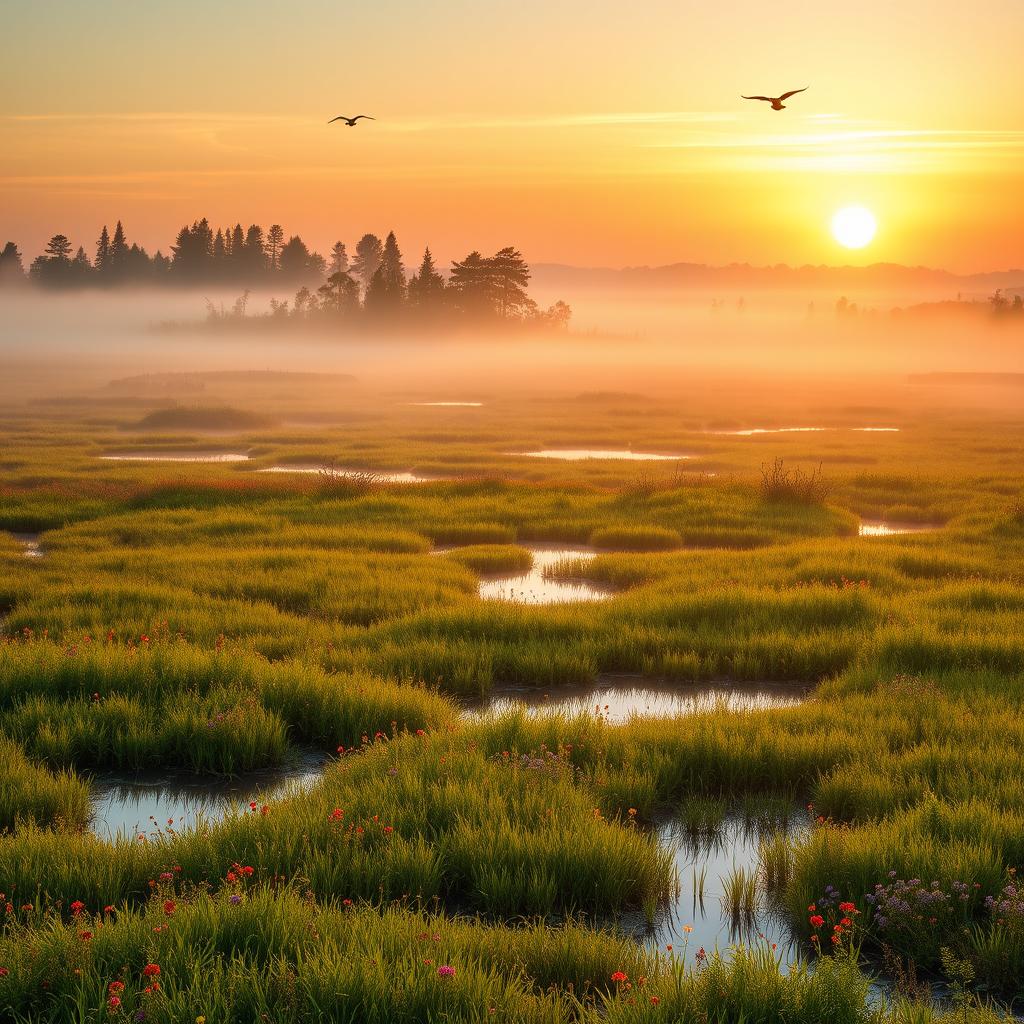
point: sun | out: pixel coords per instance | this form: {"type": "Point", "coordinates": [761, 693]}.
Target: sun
{"type": "Point", "coordinates": [854, 226]}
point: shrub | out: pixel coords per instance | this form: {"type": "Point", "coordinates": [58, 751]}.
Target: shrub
{"type": "Point", "coordinates": [779, 484]}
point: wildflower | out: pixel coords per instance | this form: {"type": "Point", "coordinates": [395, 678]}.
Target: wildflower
{"type": "Point", "coordinates": [166, 876]}
{"type": "Point", "coordinates": [151, 970]}
{"type": "Point", "coordinates": [388, 830]}
{"type": "Point", "coordinates": [444, 971]}
{"type": "Point", "coordinates": [77, 907]}
{"type": "Point", "coordinates": [655, 1000]}
{"type": "Point", "coordinates": [108, 909]}
{"type": "Point", "coordinates": [85, 936]}
{"type": "Point", "coordinates": [114, 1002]}
{"type": "Point", "coordinates": [231, 876]}
{"type": "Point", "coordinates": [115, 986]}
{"type": "Point", "coordinates": [701, 955]}
{"type": "Point", "coordinates": [200, 1020]}
{"type": "Point", "coordinates": [169, 907]}
{"type": "Point", "coordinates": [817, 920]}
{"type": "Point", "coordinates": [620, 976]}
{"type": "Point", "coordinates": [687, 928]}
{"type": "Point", "coordinates": [4, 972]}
{"type": "Point", "coordinates": [848, 908]}
{"type": "Point", "coordinates": [247, 871]}
{"type": "Point", "coordinates": [264, 809]}
{"type": "Point", "coordinates": [847, 923]}
{"type": "Point", "coordinates": [236, 899]}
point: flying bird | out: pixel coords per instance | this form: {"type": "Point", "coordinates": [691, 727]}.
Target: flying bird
{"type": "Point", "coordinates": [776, 101]}
{"type": "Point", "coordinates": [351, 121]}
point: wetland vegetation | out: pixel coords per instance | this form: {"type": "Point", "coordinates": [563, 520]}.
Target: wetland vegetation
{"type": "Point", "coordinates": [816, 812]}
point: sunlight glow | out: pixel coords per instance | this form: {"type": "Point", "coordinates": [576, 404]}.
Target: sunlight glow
{"type": "Point", "coordinates": [854, 226]}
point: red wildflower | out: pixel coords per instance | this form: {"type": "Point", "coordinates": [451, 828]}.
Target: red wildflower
{"type": "Point", "coordinates": [77, 907]}
{"type": "Point", "coordinates": [620, 976]}
{"type": "Point", "coordinates": [151, 970]}
{"type": "Point", "coordinates": [4, 972]}
{"type": "Point", "coordinates": [116, 986]}
{"type": "Point", "coordinates": [817, 920]}
{"type": "Point", "coordinates": [169, 907]}
{"type": "Point", "coordinates": [655, 1000]}
{"type": "Point", "coordinates": [114, 1002]}
{"type": "Point", "coordinates": [848, 908]}
{"type": "Point", "coordinates": [85, 936]}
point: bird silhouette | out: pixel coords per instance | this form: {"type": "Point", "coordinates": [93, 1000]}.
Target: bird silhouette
{"type": "Point", "coordinates": [776, 101]}
{"type": "Point", "coordinates": [351, 121]}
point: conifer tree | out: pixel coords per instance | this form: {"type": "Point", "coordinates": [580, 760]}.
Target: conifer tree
{"type": "Point", "coordinates": [386, 293]}
{"type": "Point", "coordinates": [102, 261]}
{"type": "Point", "coordinates": [369, 253]}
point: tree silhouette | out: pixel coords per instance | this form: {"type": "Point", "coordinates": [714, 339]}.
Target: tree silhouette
{"type": "Point", "coordinates": [118, 257]}
{"type": "Point", "coordinates": [426, 286]}
{"type": "Point", "coordinates": [275, 239]}
{"type": "Point", "coordinates": [471, 287]}
{"type": "Point", "coordinates": [297, 263]}
{"type": "Point", "coordinates": [386, 293]}
{"type": "Point", "coordinates": [193, 252]}
{"type": "Point", "coordinates": [369, 253]}
{"type": "Point", "coordinates": [340, 293]}
{"type": "Point", "coordinates": [509, 277]}
{"type": "Point", "coordinates": [254, 257]}
{"type": "Point", "coordinates": [338, 262]}
{"type": "Point", "coordinates": [12, 271]}
{"type": "Point", "coordinates": [102, 261]}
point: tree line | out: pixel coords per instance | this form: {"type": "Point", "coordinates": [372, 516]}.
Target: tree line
{"type": "Point", "coordinates": [372, 281]}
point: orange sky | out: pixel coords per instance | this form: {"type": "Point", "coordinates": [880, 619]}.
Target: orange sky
{"type": "Point", "coordinates": [584, 132]}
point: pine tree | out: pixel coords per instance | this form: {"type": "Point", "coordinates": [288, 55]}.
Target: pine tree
{"type": "Point", "coordinates": [338, 262]}
{"type": "Point", "coordinates": [386, 292]}
{"type": "Point", "coordinates": [12, 270]}
{"type": "Point", "coordinates": [254, 258]}
{"type": "Point", "coordinates": [275, 239]}
{"type": "Point", "coordinates": [81, 268]}
{"type": "Point", "coordinates": [238, 249]}
{"type": "Point", "coordinates": [340, 293]}
{"type": "Point", "coordinates": [509, 276]}
{"type": "Point", "coordinates": [369, 253]}
{"type": "Point", "coordinates": [472, 286]}
{"type": "Point", "coordinates": [102, 261]}
{"type": "Point", "coordinates": [296, 261]}
{"type": "Point", "coordinates": [219, 252]}
{"type": "Point", "coordinates": [118, 257]}
{"type": "Point", "coordinates": [426, 286]}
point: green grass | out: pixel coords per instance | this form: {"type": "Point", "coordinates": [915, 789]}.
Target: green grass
{"type": "Point", "coordinates": [208, 618]}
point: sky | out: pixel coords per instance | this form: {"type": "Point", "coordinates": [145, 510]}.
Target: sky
{"type": "Point", "coordinates": [582, 131]}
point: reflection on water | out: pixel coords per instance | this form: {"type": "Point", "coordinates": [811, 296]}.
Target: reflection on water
{"type": "Point", "coordinates": [381, 476]}
{"type": "Point", "coordinates": [705, 858]}
{"type": "Point", "coordinates": [132, 804]}
{"type": "Point", "coordinates": [147, 456]}
{"type": "Point", "coordinates": [30, 544]}
{"type": "Point", "coordinates": [537, 587]}
{"type": "Point", "coordinates": [618, 698]}
{"type": "Point", "coordinates": [752, 431]}
{"type": "Point", "coordinates": [879, 528]}
{"type": "Point", "coordinates": [578, 454]}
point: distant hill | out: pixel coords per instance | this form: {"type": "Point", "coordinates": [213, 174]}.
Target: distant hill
{"type": "Point", "coordinates": [875, 278]}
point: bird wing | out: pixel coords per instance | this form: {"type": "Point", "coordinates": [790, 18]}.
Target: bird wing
{"type": "Point", "coordinates": [767, 99]}
{"type": "Point", "coordinates": [793, 92]}
{"type": "Point", "coordinates": [340, 117]}
{"type": "Point", "coordinates": [367, 116]}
